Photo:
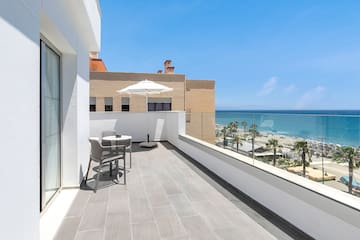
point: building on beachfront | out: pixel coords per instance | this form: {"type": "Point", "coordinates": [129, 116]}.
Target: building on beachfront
{"type": "Point", "coordinates": [196, 97]}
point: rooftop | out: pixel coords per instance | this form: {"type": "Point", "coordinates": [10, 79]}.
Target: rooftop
{"type": "Point", "coordinates": [166, 197]}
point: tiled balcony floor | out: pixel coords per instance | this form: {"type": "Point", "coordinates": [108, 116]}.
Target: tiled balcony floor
{"type": "Point", "coordinates": [165, 198]}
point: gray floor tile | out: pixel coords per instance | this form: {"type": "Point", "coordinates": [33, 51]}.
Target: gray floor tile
{"type": "Point", "coordinates": [192, 192]}
{"type": "Point", "coordinates": [169, 185]}
{"type": "Point", "coordinates": [212, 216]}
{"type": "Point", "coordinates": [182, 205]}
{"type": "Point", "coordinates": [118, 226]}
{"type": "Point", "coordinates": [177, 238]}
{"type": "Point", "coordinates": [158, 199]}
{"type": "Point", "coordinates": [68, 228]}
{"type": "Point", "coordinates": [94, 217]}
{"type": "Point", "coordinates": [237, 217]}
{"type": "Point", "coordinates": [90, 235]}
{"type": "Point", "coordinates": [78, 206]}
{"type": "Point", "coordinates": [140, 211]}
{"type": "Point", "coordinates": [168, 222]}
{"type": "Point", "coordinates": [118, 202]}
{"type": "Point", "coordinates": [241, 232]}
{"type": "Point", "coordinates": [101, 195]}
{"type": "Point", "coordinates": [145, 231]}
{"type": "Point", "coordinates": [197, 228]}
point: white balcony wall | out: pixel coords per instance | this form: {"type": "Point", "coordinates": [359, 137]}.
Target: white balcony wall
{"type": "Point", "coordinates": [73, 28]}
{"type": "Point", "coordinates": [160, 125]}
{"type": "Point", "coordinates": [318, 210]}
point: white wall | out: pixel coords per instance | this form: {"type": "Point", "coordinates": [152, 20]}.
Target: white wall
{"type": "Point", "coordinates": [67, 25]}
{"type": "Point", "coordinates": [73, 27]}
{"type": "Point", "coordinates": [292, 197]}
{"type": "Point", "coordinates": [19, 122]}
{"type": "Point", "coordinates": [160, 125]}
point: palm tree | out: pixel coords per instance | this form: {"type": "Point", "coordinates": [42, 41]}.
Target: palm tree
{"type": "Point", "coordinates": [274, 145]}
{"type": "Point", "coordinates": [253, 133]}
{"type": "Point", "coordinates": [224, 132]}
{"type": "Point", "coordinates": [238, 139]}
{"type": "Point", "coordinates": [347, 154]}
{"type": "Point", "coordinates": [233, 126]}
{"type": "Point", "coordinates": [244, 124]}
{"type": "Point", "coordinates": [302, 148]}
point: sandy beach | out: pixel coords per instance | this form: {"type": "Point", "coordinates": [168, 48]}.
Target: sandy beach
{"type": "Point", "coordinates": [286, 142]}
{"type": "Point", "coordinates": [318, 160]}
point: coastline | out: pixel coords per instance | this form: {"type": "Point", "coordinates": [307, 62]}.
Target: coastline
{"type": "Point", "coordinates": [328, 126]}
{"type": "Point", "coordinates": [321, 151]}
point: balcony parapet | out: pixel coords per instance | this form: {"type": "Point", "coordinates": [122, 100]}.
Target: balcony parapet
{"type": "Point", "coordinates": [300, 201]}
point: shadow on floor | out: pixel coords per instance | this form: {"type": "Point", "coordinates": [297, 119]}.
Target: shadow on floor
{"type": "Point", "coordinates": [105, 179]}
{"type": "Point", "coordinates": [137, 148]}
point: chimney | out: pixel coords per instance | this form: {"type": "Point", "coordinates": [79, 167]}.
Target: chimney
{"type": "Point", "coordinates": [167, 67]}
{"type": "Point", "coordinates": [170, 70]}
{"type": "Point", "coordinates": [159, 72]}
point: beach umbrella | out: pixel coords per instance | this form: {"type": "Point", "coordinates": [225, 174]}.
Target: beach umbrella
{"type": "Point", "coordinates": [145, 88]}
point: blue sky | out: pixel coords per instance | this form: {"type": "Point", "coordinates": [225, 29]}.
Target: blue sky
{"type": "Point", "coordinates": [281, 54]}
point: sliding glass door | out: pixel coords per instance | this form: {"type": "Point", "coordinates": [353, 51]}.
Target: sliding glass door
{"type": "Point", "coordinates": [50, 162]}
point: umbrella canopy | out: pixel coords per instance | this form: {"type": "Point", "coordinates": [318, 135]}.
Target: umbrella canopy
{"type": "Point", "coordinates": [146, 88]}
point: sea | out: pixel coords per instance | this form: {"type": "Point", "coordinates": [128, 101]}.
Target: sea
{"type": "Point", "coordinates": [340, 127]}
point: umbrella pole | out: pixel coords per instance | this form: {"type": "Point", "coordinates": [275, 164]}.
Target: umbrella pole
{"type": "Point", "coordinates": [147, 110]}
{"type": "Point", "coordinates": [146, 103]}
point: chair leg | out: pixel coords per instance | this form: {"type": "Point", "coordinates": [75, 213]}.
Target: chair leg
{"type": "Point", "coordinates": [110, 168]}
{"type": "Point", "coordinates": [130, 157]}
{"type": "Point", "coordinates": [98, 177]}
{"type": "Point", "coordinates": [88, 169]}
{"type": "Point", "coordinates": [124, 170]}
{"type": "Point", "coordinates": [117, 170]}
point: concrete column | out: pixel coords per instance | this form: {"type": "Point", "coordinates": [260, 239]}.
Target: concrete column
{"type": "Point", "coordinates": [117, 104]}
{"type": "Point", "coordinates": [100, 104]}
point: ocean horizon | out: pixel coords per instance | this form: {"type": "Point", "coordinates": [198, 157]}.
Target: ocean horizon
{"type": "Point", "coordinates": [331, 126]}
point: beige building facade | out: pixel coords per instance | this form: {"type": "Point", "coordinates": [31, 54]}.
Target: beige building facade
{"type": "Point", "coordinates": [196, 97]}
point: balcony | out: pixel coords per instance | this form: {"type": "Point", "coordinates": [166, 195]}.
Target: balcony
{"type": "Point", "coordinates": [190, 189]}
{"type": "Point", "coordinates": [166, 197]}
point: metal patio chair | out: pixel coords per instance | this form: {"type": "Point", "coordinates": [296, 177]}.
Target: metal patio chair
{"type": "Point", "coordinates": [104, 155]}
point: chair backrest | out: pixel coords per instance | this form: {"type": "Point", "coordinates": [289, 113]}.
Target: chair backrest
{"type": "Point", "coordinates": [108, 133]}
{"type": "Point", "coordinates": [96, 149]}
{"type": "Point", "coordinates": [126, 142]}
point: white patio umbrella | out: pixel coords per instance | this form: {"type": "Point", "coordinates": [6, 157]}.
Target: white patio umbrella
{"type": "Point", "coordinates": [145, 88]}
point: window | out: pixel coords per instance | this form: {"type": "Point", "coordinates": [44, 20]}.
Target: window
{"type": "Point", "coordinates": [50, 129]}
{"type": "Point", "coordinates": [108, 104]}
{"type": "Point", "coordinates": [125, 104]}
{"type": "Point", "coordinates": [159, 104]}
{"type": "Point", "coordinates": [92, 104]}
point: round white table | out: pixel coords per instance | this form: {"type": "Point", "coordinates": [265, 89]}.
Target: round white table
{"type": "Point", "coordinates": [117, 138]}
